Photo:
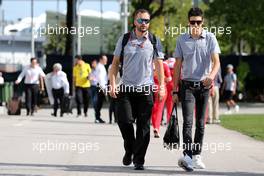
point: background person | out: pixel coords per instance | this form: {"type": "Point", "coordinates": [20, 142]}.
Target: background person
{"type": "Point", "coordinates": [81, 72]}
{"type": "Point", "coordinates": [59, 86]}
{"type": "Point", "coordinates": [112, 101]}
{"type": "Point", "coordinates": [102, 83]}
{"type": "Point", "coordinates": [213, 104]}
{"type": "Point", "coordinates": [169, 87]}
{"type": "Point", "coordinates": [229, 89]}
{"type": "Point", "coordinates": [158, 106]}
{"type": "Point", "coordinates": [34, 77]}
{"type": "Point", "coordinates": [2, 82]}
{"type": "Point", "coordinates": [94, 82]}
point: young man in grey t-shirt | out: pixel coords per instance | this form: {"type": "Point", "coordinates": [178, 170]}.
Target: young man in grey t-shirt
{"type": "Point", "coordinates": [197, 57]}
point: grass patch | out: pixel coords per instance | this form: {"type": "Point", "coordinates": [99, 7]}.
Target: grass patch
{"type": "Point", "coordinates": [251, 125]}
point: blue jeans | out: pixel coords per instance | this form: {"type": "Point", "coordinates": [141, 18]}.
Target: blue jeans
{"type": "Point", "coordinates": [94, 97]}
{"type": "Point", "coordinates": [193, 99]}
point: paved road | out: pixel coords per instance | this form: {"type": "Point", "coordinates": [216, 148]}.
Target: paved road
{"type": "Point", "coordinates": [46, 146]}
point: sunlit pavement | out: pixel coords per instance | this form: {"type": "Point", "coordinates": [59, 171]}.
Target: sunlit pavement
{"type": "Point", "coordinates": [43, 145]}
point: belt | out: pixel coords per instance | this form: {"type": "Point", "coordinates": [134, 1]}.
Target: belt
{"type": "Point", "coordinates": [57, 89]}
{"type": "Point", "coordinates": [195, 84]}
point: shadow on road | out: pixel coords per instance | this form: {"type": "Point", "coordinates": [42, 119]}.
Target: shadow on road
{"type": "Point", "coordinates": [119, 169]}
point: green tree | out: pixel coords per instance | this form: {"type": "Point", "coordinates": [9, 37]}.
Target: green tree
{"type": "Point", "coordinates": [242, 73]}
{"type": "Point", "coordinates": [55, 44]}
{"type": "Point", "coordinates": [112, 36]}
{"type": "Point", "coordinates": [245, 17]}
{"type": "Point", "coordinates": [167, 26]}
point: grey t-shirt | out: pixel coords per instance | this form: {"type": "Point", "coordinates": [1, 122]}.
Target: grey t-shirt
{"type": "Point", "coordinates": [138, 60]}
{"type": "Point", "coordinates": [230, 80]}
{"type": "Point", "coordinates": [196, 55]}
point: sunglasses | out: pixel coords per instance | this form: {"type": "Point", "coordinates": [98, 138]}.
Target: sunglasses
{"type": "Point", "coordinates": [141, 21]}
{"type": "Point", "coordinates": [197, 22]}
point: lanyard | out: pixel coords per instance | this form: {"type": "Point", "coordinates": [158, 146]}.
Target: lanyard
{"type": "Point", "coordinates": [141, 45]}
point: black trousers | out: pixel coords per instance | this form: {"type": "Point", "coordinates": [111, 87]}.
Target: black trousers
{"type": "Point", "coordinates": [58, 98]}
{"type": "Point", "coordinates": [94, 94]}
{"type": "Point", "coordinates": [82, 99]}
{"type": "Point", "coordinates": [193, 98]}
{"type": "Point", "coordinates": [31, 96]}
{"type": "Point", "coordinates": [100, 101]}
{"type": "Point", "coordinates": [112, 109]}
{"type": "Point", "coordinates": [131, 107]}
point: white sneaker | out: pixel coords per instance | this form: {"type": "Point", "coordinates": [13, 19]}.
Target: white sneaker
{"type": "Point", "coordinates": [197, 162]}
{"type": "Point", "coordinates": [186, 163]}
{"type": "Point", "coordinates": [236, 108]}
{"type": "Point", "coordinates": [209, 121]}
{"type": "Point", "coordinates": [216, 121]}
{"type": "Point", "coordinates": [228, 112]}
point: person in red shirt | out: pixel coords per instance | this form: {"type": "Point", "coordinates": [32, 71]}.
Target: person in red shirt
{"type": "Point", "coordinates": [159, 105]}
{"type": "Point", "coordinates": [169, 85]}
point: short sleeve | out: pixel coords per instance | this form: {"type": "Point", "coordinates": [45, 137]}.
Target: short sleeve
{"type": "Point", "coordinates": [225, 78]}
{"type": "Point", "coordinates": [159, 54]}
{"type": "Point", "coordinates": [178, 50]}
{"type": "Point", "coordinates": [41, 72]}
{"type": "Point", "coordinates": [89, 68]}
{"type": "Point", "coordinates": [234, 77]}
{"type": "Point", "coordinates": [214, 48]}
{"type": "Point", "coordinates": [118, 47]}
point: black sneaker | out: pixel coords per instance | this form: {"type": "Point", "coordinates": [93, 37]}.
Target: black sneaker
{"type": "Point", "coordinates": [101, 121]}
{"type": "Point", "coordinates": [139, 167]}
{"type": "Point", "coordinates": [127, 159]}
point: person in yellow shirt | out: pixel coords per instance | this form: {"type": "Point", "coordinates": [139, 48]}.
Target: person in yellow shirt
{"type": "Point", "coordinates": [81, 72]}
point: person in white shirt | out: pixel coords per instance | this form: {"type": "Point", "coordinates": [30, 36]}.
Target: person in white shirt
{"type": "Point", "coordinates": [94, 81]}
{"type": "Point", "coordinates": [2, 81]}
{"type": "Point", "coordinates": [102, 83]}
{"type": "Point", "coordinates": [112, 101]}
{"type": "Point", "coordinates": [33, 78]}
{"type": "Point", "coordinates": [59, 86]}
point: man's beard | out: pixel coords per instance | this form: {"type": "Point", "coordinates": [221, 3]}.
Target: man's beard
{"type": "Point", "coordinates": [142, 30]}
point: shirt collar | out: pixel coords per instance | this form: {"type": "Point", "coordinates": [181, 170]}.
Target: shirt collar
{"type": "Point", "coordinates": [201, 36]}
{"type": "Point", "coordinates": [133, 35]}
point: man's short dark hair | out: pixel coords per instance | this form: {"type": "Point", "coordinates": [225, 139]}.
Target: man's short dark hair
{"type": "Point", "coordinates": [140, 11]}
{"type": "Point", "coordinates": [101, 56]}
{"type": "Point", "coordinates": [33, 58]}
{"type": "Point", "coordinates": [195, 11]}
{"type": "Point", "coordinates": [79, 57]}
